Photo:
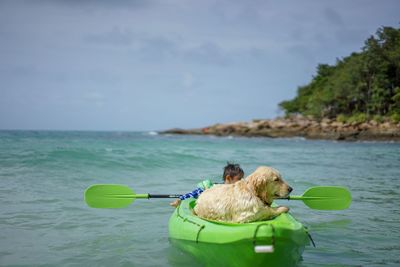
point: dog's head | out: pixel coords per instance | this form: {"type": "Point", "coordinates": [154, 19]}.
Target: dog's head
{"type": "Point", "coordinates": [268, 184]}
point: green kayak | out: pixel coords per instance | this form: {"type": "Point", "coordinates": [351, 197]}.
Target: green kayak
{"type": "Point", "coordinates": [277, 242]}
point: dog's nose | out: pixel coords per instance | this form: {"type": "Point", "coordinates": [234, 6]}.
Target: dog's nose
{"type": "Point", "coordinates": [290, 189]}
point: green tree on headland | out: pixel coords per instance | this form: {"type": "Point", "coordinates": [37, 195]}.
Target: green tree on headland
{"type": "Point", "coordinates": [362, 85]}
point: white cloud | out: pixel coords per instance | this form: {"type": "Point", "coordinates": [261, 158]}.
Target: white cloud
{"type": "Point", "coordinates": [94, 98]}
{"type": "Point", "coordinates": [188, 80]}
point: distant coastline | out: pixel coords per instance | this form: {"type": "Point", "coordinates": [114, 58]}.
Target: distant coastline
{"type": "Point", "coordinates": [301, 126]}
{"type": "Point", "coordinates": [358, 98]}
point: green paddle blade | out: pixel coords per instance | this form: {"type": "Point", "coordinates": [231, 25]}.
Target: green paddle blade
{"type": "Point", "coordinates": [110, 196]}
{"type": "Point", "coordinates": [326, 198]}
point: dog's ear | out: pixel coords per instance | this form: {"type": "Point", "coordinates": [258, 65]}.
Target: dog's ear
{"type": "Point", "coordinates": [259, 181]}
{"type": "Point", "coordinates": [258, 184]}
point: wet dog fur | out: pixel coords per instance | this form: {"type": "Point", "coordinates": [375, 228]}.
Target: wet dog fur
{"type": "Point", "coordinates": [247, 200]}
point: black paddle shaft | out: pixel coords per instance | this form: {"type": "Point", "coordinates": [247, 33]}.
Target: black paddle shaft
{"type": "Point", "coordinates": [164, 196]}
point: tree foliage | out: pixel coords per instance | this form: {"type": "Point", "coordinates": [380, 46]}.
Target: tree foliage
{"type": "Point", "coordinates": [367, 82]}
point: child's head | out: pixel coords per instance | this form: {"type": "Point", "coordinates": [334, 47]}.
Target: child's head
{"type": "Point", "coordinates": [232, 173]}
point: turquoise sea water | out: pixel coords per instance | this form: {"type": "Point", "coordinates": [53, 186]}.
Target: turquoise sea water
{"type": "Point", "coordinates": [45, 222]}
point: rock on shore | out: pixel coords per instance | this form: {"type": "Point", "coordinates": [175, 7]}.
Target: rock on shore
{"type": "Point", "coordinates": [300, 126]}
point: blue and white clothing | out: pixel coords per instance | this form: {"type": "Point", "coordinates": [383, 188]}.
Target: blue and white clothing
{"type": "Point", "coordinates": [195, 194]}
{"type": "Point", "coordinates": [200, 189]}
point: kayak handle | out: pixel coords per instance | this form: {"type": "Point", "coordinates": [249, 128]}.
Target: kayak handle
{"type": "Point", "coordinates": [264, 248]}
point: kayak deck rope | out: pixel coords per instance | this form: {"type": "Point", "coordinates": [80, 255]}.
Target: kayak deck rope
{"type": "Point", "coordinates": [198, 233]}
{"type": "Point", "coordinates": [310, 237]}
{"type": "Point", "coordinates": [201, 227]}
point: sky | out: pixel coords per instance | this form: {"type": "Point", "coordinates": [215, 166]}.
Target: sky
{"type": "Point", "coordinates": [159, 64]}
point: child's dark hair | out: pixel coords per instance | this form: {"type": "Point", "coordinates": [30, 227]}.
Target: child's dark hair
{"type": "Point", "coordinates": [232, 170]}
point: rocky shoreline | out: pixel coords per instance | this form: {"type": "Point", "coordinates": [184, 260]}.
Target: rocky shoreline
{"type": "Point", "coordinates": [300, 126]}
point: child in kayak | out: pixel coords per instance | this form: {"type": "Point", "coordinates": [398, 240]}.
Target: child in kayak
{"type": "Point", "coordinates": [232, 174]}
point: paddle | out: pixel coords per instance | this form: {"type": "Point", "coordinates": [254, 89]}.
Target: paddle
{"type": "Point", "coordinates": [325, 198]}
{"type": "Point", "coordinates": [112, 196]}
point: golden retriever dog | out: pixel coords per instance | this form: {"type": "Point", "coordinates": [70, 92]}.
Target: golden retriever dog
{"type": "Point", "coordinates": [247, 200]}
